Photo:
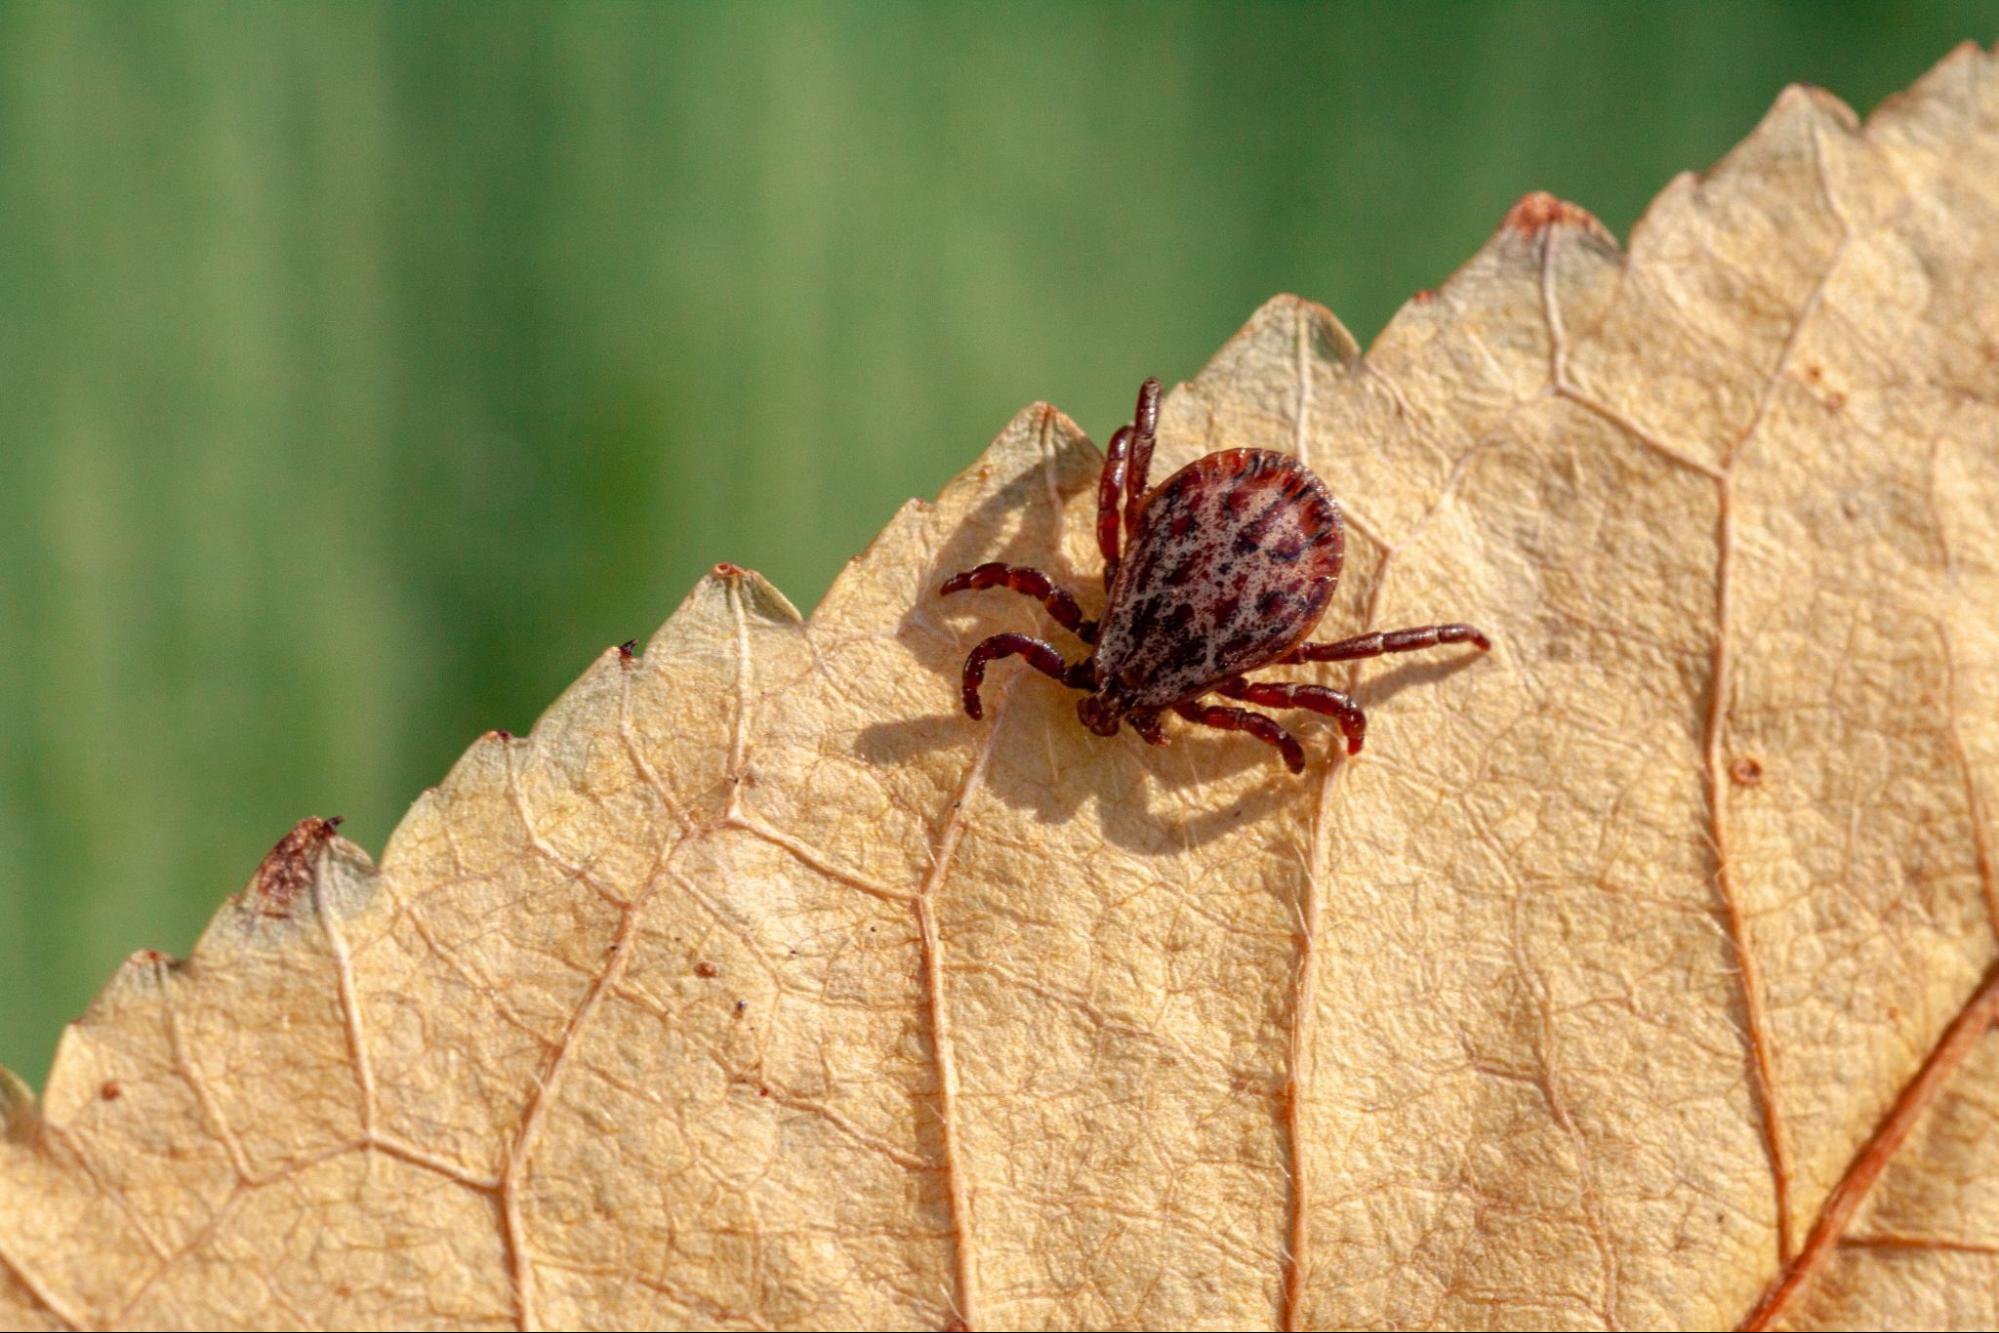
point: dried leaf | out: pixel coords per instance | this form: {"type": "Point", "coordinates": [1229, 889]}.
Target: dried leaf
{"type": "Point", "coordinates": [1638, 974]}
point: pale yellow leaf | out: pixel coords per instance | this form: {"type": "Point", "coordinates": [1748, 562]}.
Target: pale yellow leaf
{"type": "Point", "coordinates": [1638, 974]}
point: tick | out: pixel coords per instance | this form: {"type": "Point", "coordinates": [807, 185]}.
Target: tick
{"type": "Point", "coordinates": [1226, 567]}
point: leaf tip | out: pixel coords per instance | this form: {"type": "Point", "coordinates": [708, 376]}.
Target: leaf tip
{"type": "Point", "coordinates": [1537, 212]}
{"type": "Point", "coordinates": [1810, 99]}
{"type": "Point", "coordinates": [759, 596]}
{"type": "Point", "coordinates": [147, 964]}
{"type": "Point", "coordinates": [1300, 317]}
{"type": "Point", "coordinates": [1966, 52]}
{"type": "Point", "coordinates": [289, 868]}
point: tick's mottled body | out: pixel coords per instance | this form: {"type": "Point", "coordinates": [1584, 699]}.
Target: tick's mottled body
{"type": "Point", "coordinates": [1228, 566]}
{"type": "Point", "coordinates": [1232, 564]}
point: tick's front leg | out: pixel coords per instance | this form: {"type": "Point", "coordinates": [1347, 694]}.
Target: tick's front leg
{"type": "Point", "coordinates": [1386, 641]}
{"type": "Point", "coordinates": [1263, 728]}
{"type": "Point", "coordinates": [1061, 603]}
{"type": "Point", "coordinates": [1039, 654]}
{"type": "Point", "coordinates": [1291, 694]}
{"type": "Point", "coordinates": [1145, 721]}
{"type": "Point", "coordinates": [1122, 482]}
{"type": "Point", "coordinates": [1110, 488]}
{"type": "Point", "coordinates": [1144, 434]}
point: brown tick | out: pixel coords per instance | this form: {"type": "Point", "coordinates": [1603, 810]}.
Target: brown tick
{"type": "Point", "coordinates": [1230, 564]}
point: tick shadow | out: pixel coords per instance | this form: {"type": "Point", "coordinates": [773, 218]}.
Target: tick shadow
{"type": "Point", "coordinates": [1171, 785]}
{"type": "Point", "coordinates": [1374, 692]}
{"type": "Point", "coordinates": [1152, 800]}
{"type": "Point", "coordinates": [897, 743]}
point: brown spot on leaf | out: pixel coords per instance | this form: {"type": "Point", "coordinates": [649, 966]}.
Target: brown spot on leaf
{"type": "Point", "coordinates": [288, 869]}
{"type": "Point", "coordinates": [1746, 771]}
{"type": "Point", "coordinates": [111, 1091]}
{"type": "Point", "coordinates": [1425, 296]}
{"type": "Point", "coordinates": [704, 968]}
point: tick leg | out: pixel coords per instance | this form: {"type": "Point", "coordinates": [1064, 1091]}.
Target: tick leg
{"type": "Point", "coordinates": [1389, 641]}
{"type": "Point", "coordinates": [1110, 484]}
{"type": "Point", "coordinates": [1145, 721]}
{"type": "Point", "coordinates": [1291, 694]}
{"type": "Point", "coordinates": [1126, 464]}
{"type": "Point", "coordinates": [1033, 583]}
{"type": "Point", "coordinates": [1263, 728]}
{"type": "Point", "coordinates": [1039, 654]}
{"type": "Point", "coordinates": [1144, 434]}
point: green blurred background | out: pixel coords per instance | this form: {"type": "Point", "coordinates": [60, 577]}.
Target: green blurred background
{"type": "Point", "coordinates": [365, 372]}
